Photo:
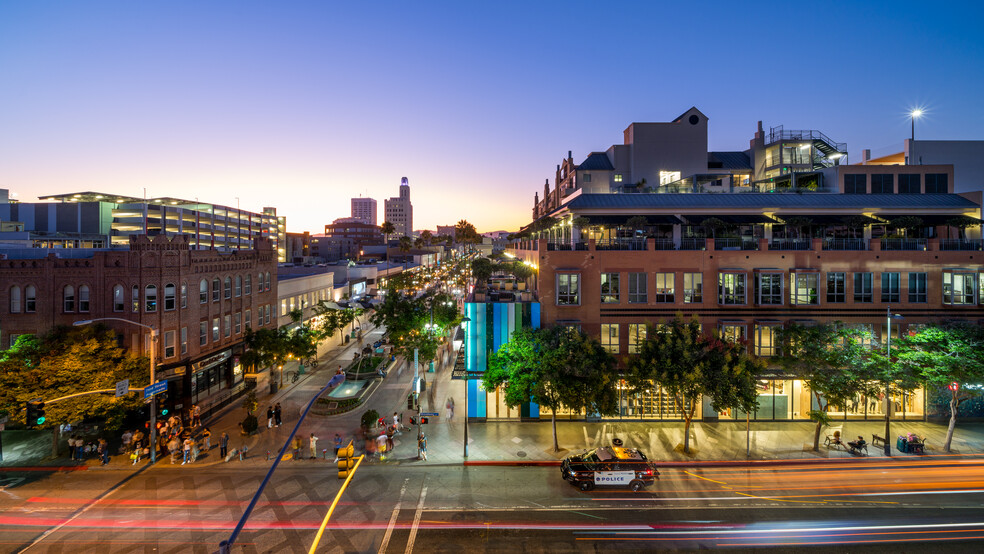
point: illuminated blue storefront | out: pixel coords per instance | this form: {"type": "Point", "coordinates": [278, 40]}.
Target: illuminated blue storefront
{"type": "Point", "coordinates": [491, 325]}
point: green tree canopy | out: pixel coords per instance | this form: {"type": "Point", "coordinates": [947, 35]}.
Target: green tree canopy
{"type": "Point", "coordinates": [274, 347]}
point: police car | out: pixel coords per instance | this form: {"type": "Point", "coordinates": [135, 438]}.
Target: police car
{"type": "Point", "coordinates": [609, 465]}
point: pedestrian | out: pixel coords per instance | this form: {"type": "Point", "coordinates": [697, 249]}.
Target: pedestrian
{"type": "Point", "coordinates": [71, 448]}
{"type": "Point", "coordinates": [277, 413]}
{"type": "Point", "coordinates": [396, 424]}
{"type": "Point", "coordinates": [194, 450]}
{"type": "Point", "coordinates": [173, 446]}
{"type": "Point", "coordinates": [450, 409]}
{"type": "Point", "coordinates": [298, 445]}
{"type": "Point", "coordinates": [224, 445]}
{"type": "Point", "coordinates": [207, 436]}
{"type": "Point", "coordinates": [269, 417]}
{"type": "Point", "coordinates": [187, 451]}
{"type": "Point", "coordinates": [381, 446]}
{"type": "Point", "coordinates": [103, 450]}
{"type": "Point", "coordinates": [370, 450]}
{"type": "Point", "coordinates": [162, 444]}
{"type": "Point", "coordinates": [422, 447]}
{"type": "Point", "coordinates": [338, 444]}
{"type": "Point", "coordinates": [125, 439]}
{"type": "Point", "coordinates": [314, 446]}
{"type": "Point", "coordinates": [196, 415]}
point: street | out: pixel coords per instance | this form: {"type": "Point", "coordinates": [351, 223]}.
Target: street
{"type": "Point", "coordinates": [411, 506]}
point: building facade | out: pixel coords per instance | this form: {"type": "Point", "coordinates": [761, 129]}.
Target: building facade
{"type": "Point", "coordinates": [364, 209]}
{"type": "Point", "coordinates": [399, 210]}
{"type": "Point", "coordinates": [345, 237]}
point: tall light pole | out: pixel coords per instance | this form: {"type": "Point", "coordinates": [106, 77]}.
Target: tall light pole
{"type": "Point", "coordinates": [889, 316]}
{"type": "Point", "coordinates": [912, 116]}
{"type": "Point", "coordinates": [153, 364]}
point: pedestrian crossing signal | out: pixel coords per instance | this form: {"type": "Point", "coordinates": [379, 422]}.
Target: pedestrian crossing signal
{"type": "Point", "coordinates": [423, 421]}
{"type": "Point", "coordinates": [346, 460]}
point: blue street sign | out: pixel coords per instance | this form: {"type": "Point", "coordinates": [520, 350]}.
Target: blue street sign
{"type": "Point", "coordinates": [155, 389]}
{"type": "Point", "coordinates": [430, 414]}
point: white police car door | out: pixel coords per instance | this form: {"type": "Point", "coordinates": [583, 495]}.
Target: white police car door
{"type": "Point", "coordinates": [613, 477]}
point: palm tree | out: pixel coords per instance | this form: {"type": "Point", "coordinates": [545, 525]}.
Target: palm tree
{"type": "Point", "coordinates": [406, 243]}
{"type": "Point", "coordinates": [427, 237]}
{"type": "Point", "coordinates": [388, 229]}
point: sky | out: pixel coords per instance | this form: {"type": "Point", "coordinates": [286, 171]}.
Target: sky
{"type": "Point", "coordinates": [304, 105]}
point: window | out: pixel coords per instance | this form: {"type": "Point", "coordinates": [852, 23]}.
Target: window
{"type": "Point", "coordinates": [15, 300]}
{"type": "Point", "coordinates": [135, 298]}
{"type": "Point", "coordinates": [637, 288]}
{"type": "Point", "coordinates": [664, 289]}
{"type": "Point", "coordinates": [855, 183]}
{"type": "Point", "coordinates": [267, 285]}
{"type": "Point", "coordinates": [68, 296]}
{"type": "Point", "coordinates": [227, 325]}
{"type": "Point", "coordinates": [568, 289]}
{"type": "Point", "coordinates": [806, 289]}
{"type": "Point", "coordinates": [203, 292]}
{"type": "Point", "coordinates": [216, 290]}
{"type": "Point", "coordinates": [637, 335]}
{"type": "Point", "coordinates": [238, 317]}
{"type": "Point", "coordinates": [84, 298]}
{"type": "Point", "coordinates": [609, 337]}
{"type": "Point", "coordinates": [862, 287]}
{"type": "Point", "coordinates": [959, 287]}
{"type": "Point", "coordinates": [150, 298]}
{"type": "Point", "coordinates": [667, 177]}
{"type": "Point", "coordinates": [891, 287]}
{"type": "Point", "coordinates": [917, 287]}
{"type": "Point", "coordinates": [227, 290]}
{"type": "Point", "coordinates": [259, 282]}
{"type": "Point", "coordinates": [184, 295]}
{"type": "Point", "coordinates": [693, 285]}
{"type": "Point", "coordinates": [184, 341]}
{"type": "Point", "coordinates": [168, 344]}
{"type": "Point", "coordinates": [266, 319]}
{"type": "Point", "coordinates": [768, 289]}
{"type": "Point", "coordinates": [169, 297]}
{"type": "Point", "coordinates": [586, 177]}
{"type": "Point", "coordinates": [239, 286]}
{"type": "Point", "coordinates": [283, 306]}
{"type": "Point", "coordinates": [936, 183]}
{"type": "Point", "coordinates": [766, 341]}
{"type": "Point", "coordinates": [731, 288]}
{"type": "Point", "coordinates": [202, 333]}
{"type": "Point", "coordinates": [618, 177]}
{"type": "Point", "coordinates": [259, 316]}
{"type": "Point", "coordinates": [909, 183]}
{"type": "Point", "coordinates": [30, 299]}
{"type": "Point", "coordinates": [215, 329]}
{"type": "Point", "coordinates": [249, 284]}
{"type": "Point", "coordinates": [882, 183]}
{"type": "Point", "coordinates": [247, 317]}
{"type": "Point", "coordinates": [836, 287]}
{"type": "Point", "coordinates": [609, 288]}
{"type": "Point", "coordinates": [733, 332]}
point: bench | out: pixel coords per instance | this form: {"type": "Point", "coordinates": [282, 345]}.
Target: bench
{"type": "Point", "coordinates": [834, 437]}
{"type": "Point", "coordinates": [875, 439]}
{"type": "Point", "coordinates": [856, 449]}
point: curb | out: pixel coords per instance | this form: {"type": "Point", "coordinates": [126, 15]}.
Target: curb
{"type": "Point", "coordinates": [741, 463]}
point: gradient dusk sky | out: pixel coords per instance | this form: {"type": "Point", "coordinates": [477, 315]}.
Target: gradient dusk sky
{"type": "Point", "coordinates": [303, 105]}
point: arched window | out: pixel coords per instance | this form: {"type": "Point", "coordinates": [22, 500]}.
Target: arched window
{"type": "Point", "coordinates": [68, 296]}
{"type": "Point", "coordinates": [30, 299]}
{"type": "Point", "coordinates": [267, 287]}
{"type": "Point", "coordinates": [239, 286]}
{"type": "Point", "coordinates": [84, 298]}
{"type": "Point", "coordinates": [169, 291]}
{"type": "Point", "coordinates": [184, 295]}
{"type": "Point", "coordinates": [216, 289]}
{"type": "Point", "coordinates": [227, 290]}
{"type": "Point", "coordinates": [249, 284]}
{"type": "Point", "coordinates": [119, 304]}
{"type": "Point", "coordinates": [259, 283]}
{"type": "Point", "coordinates": [15, 300]}
{"type": "Point", "coordinates": [135, 298]}
{"type": "Point", "coordinates": [203, 292]}
{"type": "Point", "coordinates": [150, 298]}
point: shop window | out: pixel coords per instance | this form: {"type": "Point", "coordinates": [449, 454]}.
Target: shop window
{"type": "Point", "coordinates": [891, 287]}
{"type": "Point", "coordinates": [168, 344]}
{"type": "Point", "coordinates": [150, 298]}
{"type": "Point", "coordinates": [609, 337]}
{"type": "Point", "coordinates": [15, 300]}
{"type": "Point", "coordinates": [693, 288]}
{"type": "Point", "coordinates": [84, 298]}
{"type": "Point", "coordinates": [836, 287]}
{"type": "Point", "coordinates": [638, 293]}
{"type": "Point", "coordinates": [249, 284]}
{"type": "Point", "coordinates": [184, 341]}
{"type": "Point", "coordinates": [169, 297]}
{"type": "Point", "coordinates": [862, 287]}
{"type": "Point", "coordinates": [609, 288]}
{"type": "Point", "coordinates": [30, 299]}
{"type": "Point", "coordinates": [959, 288]}
{"type": "Point", "coordinates": [637, 336]}
{"type": "Point", "coordinates": [917, 288]}
{"type": "Point", "coordinates": [806, 289]}
{"type": "Point", "coordinates": [203, 292]}
{"type": "Point", "coordinates": [239, 286]}
{"type": "Point", "coordinates": [664, 290]}
{"type": "Point", "coordinates": [216, 289]}
{"type": "Point", "coordinates": [68, 298]}
{"type": "Point", "coordinates": [766, 340]}
{"type": "Point", "coordinates": [731, 288]}
{"type": "Point", "coordinates": [568, 289]}
{"type": "Point", "coordinates": [227, 289]}
{"type": "Point", "coordinates": [768, 289]}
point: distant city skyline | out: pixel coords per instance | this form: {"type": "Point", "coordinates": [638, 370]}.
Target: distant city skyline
{"type": "Point", "coordinates": [307, 105]}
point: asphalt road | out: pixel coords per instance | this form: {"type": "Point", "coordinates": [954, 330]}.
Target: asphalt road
{"type": "Point", "coordinates": [898, 506]}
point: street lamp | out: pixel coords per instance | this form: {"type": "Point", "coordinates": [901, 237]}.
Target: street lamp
{"type": "Point", "coordinates": [912, 116]}
{"type": "Point", "coordinates": [153, 363]}
{"type": "Point", "coordinates": [889, 316]}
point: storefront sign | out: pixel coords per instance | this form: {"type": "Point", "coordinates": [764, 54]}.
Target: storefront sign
{"type": "Point", "coordinates": [211, 360]}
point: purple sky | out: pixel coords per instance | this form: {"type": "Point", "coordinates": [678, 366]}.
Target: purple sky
{"type": "Point", "coordinates": [302, 105]}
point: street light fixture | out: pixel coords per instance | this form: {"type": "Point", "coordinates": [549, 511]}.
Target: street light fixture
{"type": "Point", "coordinates": [912, 116]}
{"type": "Point", "coordinates": [889, 316]}
{"type": "Point", "coordinates": [153, 363]}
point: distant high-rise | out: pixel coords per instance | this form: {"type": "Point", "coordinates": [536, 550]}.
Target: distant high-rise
{"type": "Point", "coordinates": [399, 210]}
{"type": "Point", "coordinates": [364, 209]}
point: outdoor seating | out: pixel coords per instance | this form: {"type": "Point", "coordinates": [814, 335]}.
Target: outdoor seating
{"type": "Point", "coordinates": [875, 439]}
{"type": "Point", "coordinates": [833, 438]}
{"type": "Point", "coordinates": [858, 446]}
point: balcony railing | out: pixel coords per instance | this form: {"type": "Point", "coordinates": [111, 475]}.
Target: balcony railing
{"type": "Point", "coordinates": [693, 244]}
{"type": "Point", "coordinates": [790, 244]}
{"type": "Point", "coordinates": [621, 244]}
{"type": "Point", "coordinates": [556, 245]}
{"type": "Point", "coordinates": [845, 244]}
{"type": "Point", "coordinates": [903, 244]}
{"type": "Point", "coordinates": [664, 244]}
{"type": "Point", "coordinates": [961, 244]}
{"type": "Point", "coordinates": [743, 243]}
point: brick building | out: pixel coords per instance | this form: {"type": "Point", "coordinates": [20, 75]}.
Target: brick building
{"type": "Point", "coordinates": [201, 301]}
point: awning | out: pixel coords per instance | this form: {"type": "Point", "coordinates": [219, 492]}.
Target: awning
{"type": "Point", "coordinates": [731, 219]}
{"type": "Point", "coordinates": [929, 220]}
{"type": "Point", "coordinates": [651, 219]}
{"type": "Point", "coordinates": [827, 219]}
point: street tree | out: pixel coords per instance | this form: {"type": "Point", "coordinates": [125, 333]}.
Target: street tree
{"type": "Point", "coordinates": [949, 357]}
{"type": "Point", "coordinates": [834, 361]}
{"type": "Point", "coordinates": [688, 365]}
{"type": "Point", "coordinates": [388, 229]}
{"type": "Point", "coordinates": [465, 232]}
{"type": "Point", "coordinates": [406, 244]}
{"type": "Point", "coordinates": [70, 360]}
{"type": "Point", "coordinates": [556, 367]}
{"type": "Point", "coordinates": [275, 347]}
{"type": "Point", "coordinates": [426, 236]}
{"type": "Point", "coordinates": [735, 387]}
{"type": "Point", "coordinates": [404, 316]}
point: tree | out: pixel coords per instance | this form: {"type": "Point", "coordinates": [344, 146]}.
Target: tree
{"type": "Point", "coordinates": [834, 361]}
{"type": "Point", "coordinates": [69, 360]}
{"type": "Point", "coordinates": [689, 365]}
{"type": "Point", "coordinates": [637, 223]}
{"type": "Point", "coordinates": [406, 243]}
{"type": "Point", "coordinates": [946, 354]}
{"type": "Point", "coordinates": [906, 223]}
{"type": "Point", "coordinates": [797, 222]}
{"type": "Point", "coordinates": [554, 367]}
{"type": "Point", "coordinates": [465, 232]}
{"type": "Point", "coordinates": [855, 223]}
{"type": "Point", "coordinates": [735, 387]}
{"type": "Point", "coordinates": [713, 225]}
{"type": "Point", "coordinates": [388, 229]}
{"type": "Point", "coordinates": [404, 316]}
{"type": "Point", "coordinates": [274, 347]}
{"type": "Point", "coordinates": [960, 223]}
{"type": "Point", "coordinates": [482, 269]}
{"type": "Point", "coordinates": [426, 236]}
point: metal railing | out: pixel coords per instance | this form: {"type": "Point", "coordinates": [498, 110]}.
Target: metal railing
{"type": "Point", "coordinates": [557, 245]}
{"type": "Point", "coordinates": [664, 244]}
{"type": "Point", "coordinates": [778, 133]}
{"type": "Point", "coordinates": [845, 244]}
{"type": "Point", "coordinates": [961, 244]}
{"type": "Point", "coordinates": [741, 243]}
{"type": "Point", "coordinates": [621, 244]}
{"type": "Point", "coordinates": [903, 244]}
{"type": "Point", "coordinates": [790, 244]}
{"type": "Point", "coordinates": [693, 244]}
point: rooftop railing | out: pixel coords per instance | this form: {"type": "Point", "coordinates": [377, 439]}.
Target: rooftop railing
{"type": "Point", "coordinates": [961, 244]}
{"type": "Point", "coordinates": [845, 244]}
{"type": "Point", "coordinates": [903, 244]}
{"type": "Point", "coordinates": [790, 244]}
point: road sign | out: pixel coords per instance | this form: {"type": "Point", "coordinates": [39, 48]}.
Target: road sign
{"type": "Point", "coordinates": [155, 389]}
{"type": "Point", "coordinates": [430, 414]}
{"type": "Point", "coordinates": [122, 387]}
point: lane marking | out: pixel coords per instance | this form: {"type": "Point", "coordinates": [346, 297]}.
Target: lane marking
{"type": "Point", "coordinates": [705, 478]}
{"type": "Point", "coordinates": [393, 516]}
{"type": "Point", "coordinates": [416, 521]}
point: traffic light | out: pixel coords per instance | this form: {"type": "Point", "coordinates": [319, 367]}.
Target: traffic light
{"type": "Point", "coordinates": [162, 404]}
{"type": "Point", "coordinates": [35, 413]}
{"type": "Point", "coordinates": [345, 460]}
{"type": "Point", "coordinates": [423, 421]}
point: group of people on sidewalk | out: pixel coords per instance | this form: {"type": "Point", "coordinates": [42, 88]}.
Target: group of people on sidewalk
{"type": "Point", "coordinates": [79, 449]}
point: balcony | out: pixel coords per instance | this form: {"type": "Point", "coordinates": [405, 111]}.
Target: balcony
{"type": "Point", "coordinates": [742, 243]}
{"type": "Point", "coordinates": [903, 244]}
{"type": "Point", "coordinates": [621, 244]}
{"type": "Point", "coordinates": [663, 244]}
{"type": "Point", "coordinates": [791, 244]}
{"type": "Point", "coordinates": [693, 244]}
{"type": "Point", "coordinates": [554, 246]}
{"type": "Point", "coordinates": [961, 244]}
{"type": "Point", "coordinates": [845, 244]}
